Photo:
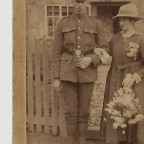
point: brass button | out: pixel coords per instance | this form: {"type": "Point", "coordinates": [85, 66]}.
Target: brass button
{"type": "Point", "coordinates": [79, 20]}
{"type": "Point", "coordinates": [79, 28]}
{"type": "Point", "coordinates": [78, 37]}
{"type": "Point", "coordinates": [79, 46]}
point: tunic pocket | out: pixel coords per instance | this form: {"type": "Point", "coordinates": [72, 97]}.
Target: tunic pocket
{"type": "Point", "coordinates": [68, 29]}
{"type": "Point", "coordinates": [90, 30]}
{"type": "Point", "coordinates": [69, 34]}
{"type": "Point", "coordinates": [90, 36]}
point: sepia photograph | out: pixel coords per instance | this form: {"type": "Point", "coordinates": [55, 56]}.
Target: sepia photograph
{"type": "Point", "coordinates": [78, 72]}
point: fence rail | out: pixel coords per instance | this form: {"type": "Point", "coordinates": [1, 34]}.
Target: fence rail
{"type": "Point", "coordinates": [45, 110]}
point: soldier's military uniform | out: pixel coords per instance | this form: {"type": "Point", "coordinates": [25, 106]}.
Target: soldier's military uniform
{"type": "Point", "coordinates": [75, 35]}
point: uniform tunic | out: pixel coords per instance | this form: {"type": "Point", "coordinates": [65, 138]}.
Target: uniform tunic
{"type": "Point", "coordinates": [82, 33]}
{"type": "Point", "coordinates": [122, 65]}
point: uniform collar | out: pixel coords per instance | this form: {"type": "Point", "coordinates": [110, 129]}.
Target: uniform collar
{"type": "Point", "coordinates": [79, 17]}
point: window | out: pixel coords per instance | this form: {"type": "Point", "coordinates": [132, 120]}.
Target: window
{"type": "Point", "coordinates": [54, 13]}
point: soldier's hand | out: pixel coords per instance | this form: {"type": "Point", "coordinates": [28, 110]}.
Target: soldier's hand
{"type": "Point", "coordinates": [57, 85]}
{"type": "Point", "coordinates": [84, 62]}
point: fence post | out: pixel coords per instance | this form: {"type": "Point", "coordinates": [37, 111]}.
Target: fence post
{"type": "Point", "coordinates": [30, 88]}
{"type": "Point", "coordinates": [37, 84]}
{"type": "Point", "coordinates": [46, 88]}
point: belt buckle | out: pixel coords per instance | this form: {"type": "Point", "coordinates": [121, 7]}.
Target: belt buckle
{"type": "Point", "coordinates": [77, 53]}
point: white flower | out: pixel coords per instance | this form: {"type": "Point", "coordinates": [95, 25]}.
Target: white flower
{"type": "Point", "coordinates": [132, 121]}
{"type": "Point", "coordinates": [128, 90]}
{"type": "Point", "coordinates": [139, 117]}
{"type": "Point", "coordinates": [123, 125]}
{"type": "Point", "coordinates": [105, 119]}
{"type": "Point", "coordinates": [123, 132]}
{"type": "Point", "coordinates": [111, 117]}
{"type": "Point", "coordinates": [133, 45]}
{"type": "Point", "coordinates": [136, 101]}
{"type": "Point", "coordinates": [127, 113]}
{"type": "Point", "coordinates": [116, 113]}
{"type": "Point", "coordinates": [110, 111]}
{"type": "Point", "coordinates": [115, 125]}
{"type": "Point", "coordinates": [120, 92]}
{"type": "Point", "coordinates": [131, 107]}
{"type": "Point", "coordinates": [115, 94]}
{"type": "Point", "coordinates": [130, 54]}
{"type": "Point", "coordinates": [120, 120]}
{"type": "Point", "coordinates": [111, 104]}
{"type": "Point", "coordinates": [132, 50]}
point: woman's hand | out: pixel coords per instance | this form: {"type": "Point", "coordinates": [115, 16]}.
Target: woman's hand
{"type": "Point", "coordinates": [128, 81]}
{"type": "Point", "coordinates": [98, 51]}
{"type": "Point", "coordinates": [103, 55]}
{"type": "Point", "coordinates": [131, 79]}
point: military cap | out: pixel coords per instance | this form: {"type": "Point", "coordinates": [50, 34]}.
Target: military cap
{"type": "Point", "coordinates": [128, 10]}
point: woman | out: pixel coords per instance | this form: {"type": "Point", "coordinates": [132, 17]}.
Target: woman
{"type": "Point", "coordinates": [125, 62]}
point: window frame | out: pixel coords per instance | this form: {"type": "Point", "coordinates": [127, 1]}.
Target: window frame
{"type": "Point", "coordinates": [59, 16]}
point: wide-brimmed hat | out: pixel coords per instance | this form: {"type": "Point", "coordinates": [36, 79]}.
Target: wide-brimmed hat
{"type": "Point", "coordinates": [128, 10]}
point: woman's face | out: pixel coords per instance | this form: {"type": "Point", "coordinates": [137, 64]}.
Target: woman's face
{"type": "Point", "coordinates": [79, 7]}
{"type": "Point", "coordinates": [126, 23]}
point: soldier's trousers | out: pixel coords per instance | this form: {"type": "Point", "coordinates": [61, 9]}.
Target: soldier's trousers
{"type": "Point", "coordinates": [77, 97]}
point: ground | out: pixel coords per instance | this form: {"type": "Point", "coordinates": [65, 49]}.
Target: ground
{"type": "Point", "coordinates": [95, 113]}
{"type": "Point", "coordinates": [42, 138]}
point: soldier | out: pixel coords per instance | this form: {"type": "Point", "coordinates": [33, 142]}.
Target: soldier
{"type": "Point", "coordinates": [75, 66]}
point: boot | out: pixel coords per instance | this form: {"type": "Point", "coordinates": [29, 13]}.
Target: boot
{"type": "Point", "coordinates": [71, 133]}
{"type": "Point", "coordinates": [82, 130]}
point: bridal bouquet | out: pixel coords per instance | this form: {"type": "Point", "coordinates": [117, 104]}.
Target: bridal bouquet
{"type": "Point", "coordinates": [124, 108]}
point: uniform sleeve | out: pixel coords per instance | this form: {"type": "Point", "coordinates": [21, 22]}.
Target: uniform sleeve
{"type": "Point", "coordinates": [57, 46]}
{"type": "Point", "coordinates": [141, 48]}
{"type": "Point", "coordinates": [101, 36]}
{"type": "Point", "coordinates": [101, 42]}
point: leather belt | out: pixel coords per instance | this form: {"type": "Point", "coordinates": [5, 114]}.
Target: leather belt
{"type": "Point", "coordinates": [120, 67]}
{"type": "Point", "coordinates": [78, 52]}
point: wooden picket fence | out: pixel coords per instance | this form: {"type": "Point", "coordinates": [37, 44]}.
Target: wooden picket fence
{"type": "Point", "coordinates": [45, 111]}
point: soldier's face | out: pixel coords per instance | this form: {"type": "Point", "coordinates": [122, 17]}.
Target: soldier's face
{"type": "Point", "coordinates": [79, 7]}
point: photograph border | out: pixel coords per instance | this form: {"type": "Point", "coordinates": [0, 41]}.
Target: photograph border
{"type": "Point", "coordinates": [19, 72]}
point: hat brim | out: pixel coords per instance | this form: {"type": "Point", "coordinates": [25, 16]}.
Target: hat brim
{"type": "Point", "coordinates": [128, 16]}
